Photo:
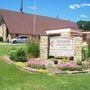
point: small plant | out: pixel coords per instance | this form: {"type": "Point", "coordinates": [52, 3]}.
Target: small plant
{"type": "Point", "coordinates": [79, 62]}
{"type": "Point", "coordinates": [1, 39]}
{"type": "Point", "coordinates": [33, 48]}
{"type": "Point", "coordinates": [79, 68]}
{"type": "Point", "coordinates": [85, 64]}
{"type": "Point", "coordinates": [64, 60]}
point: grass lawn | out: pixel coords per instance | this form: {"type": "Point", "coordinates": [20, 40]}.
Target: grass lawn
{"type": "Point", "coordinates": [11, 78]}
{"type": "Point", "coordinates": [5, 47]}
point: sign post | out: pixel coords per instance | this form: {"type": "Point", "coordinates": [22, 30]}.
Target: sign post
{"type": "Point", "coordinates": [44, 47]}
{"type": "Point", "coordinates": [77, 41]}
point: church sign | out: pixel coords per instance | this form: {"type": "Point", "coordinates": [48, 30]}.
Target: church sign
{"type": "Point", "coordinates": [60, 46]}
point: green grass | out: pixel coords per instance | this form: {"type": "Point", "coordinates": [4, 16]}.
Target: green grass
{"type": "Point", "coordinates": [5, 47]}
{"type": "Point", "coordinates": [12, 78]}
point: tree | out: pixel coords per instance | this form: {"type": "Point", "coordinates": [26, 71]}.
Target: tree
{"type": "Point", "coordinates": [85, 25]}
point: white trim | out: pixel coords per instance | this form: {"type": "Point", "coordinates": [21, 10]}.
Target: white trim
{"type": "Point", "coordinates": [88, 32]}
{"type": "Point", "coordinates": [62, 30]}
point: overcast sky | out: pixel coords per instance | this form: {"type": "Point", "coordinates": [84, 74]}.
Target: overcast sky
{"type": "Point", "coordinates": [73, 10]}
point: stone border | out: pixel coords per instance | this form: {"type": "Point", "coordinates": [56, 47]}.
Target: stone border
{"type": "Point", "coordinates": [73, 72]}
{"type": "Point", "coordinates": [55, 70]}
{"type": "Point", "coordinates": [6, 59]}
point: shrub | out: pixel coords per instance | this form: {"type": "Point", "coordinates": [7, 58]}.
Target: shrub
{"type": "Point", "coordinates": [17, 55]}
{"type": "Point", "coordinates": [1, 39]}
{"type": "Point", "coordinates": [13, 55]}
{"type": "Point", "coordinates": [79, 68]}
{"type": "Point", "coordinates": [85, 52]}
{"type": "Point", "coordinates": [39, 64]}
{"type": "Point", "coordinates": [89, 51]}
{"type": "Point", "coordinates": [33, 48]}
{"type": "Point", "coordinates": [21, 55]}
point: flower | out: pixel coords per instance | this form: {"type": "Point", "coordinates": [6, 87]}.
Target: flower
{"type": "Point", "coordinates": [36, 63]}
{"type": "Point", "coordinates": [69, 66]}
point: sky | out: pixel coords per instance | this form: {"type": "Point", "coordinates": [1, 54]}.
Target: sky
{"type": "Point", "coordinates": [73, 10]}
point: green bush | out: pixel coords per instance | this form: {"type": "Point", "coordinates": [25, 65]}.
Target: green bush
{"type": "Point", "coordinates": [17, 55]}
{"type": "Point", "coordinates": [89, 51]}
{"type": "Point", "coordinates": [33, 48]}
{"type": "Point", "coordinates": [1, 39]}
{"type": "Point", "coordinates": [85, 52]}
{"type": "Point", "coordinates": [21, 55]}
{"type": "Point", "coordinates": [13, 55]}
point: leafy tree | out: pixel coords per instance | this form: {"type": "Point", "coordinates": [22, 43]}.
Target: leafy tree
{"type": "Point", "coordinates": [85, 25]}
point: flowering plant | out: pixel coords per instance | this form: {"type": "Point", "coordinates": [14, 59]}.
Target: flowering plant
{"type": "Point", "coordinates": [39, 64]}
{"type": "Point", "coordinates": [71, 66]}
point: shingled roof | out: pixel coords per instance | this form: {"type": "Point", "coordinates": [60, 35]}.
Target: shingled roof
{"type": "Point", "coordinates": [22, 23]}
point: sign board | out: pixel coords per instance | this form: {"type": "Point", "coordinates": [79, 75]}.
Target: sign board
{"type": "Point", "coordinates": [61, 46]}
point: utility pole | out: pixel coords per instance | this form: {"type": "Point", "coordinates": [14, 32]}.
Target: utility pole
{"type": "Point", "coordinates": [34, 19]}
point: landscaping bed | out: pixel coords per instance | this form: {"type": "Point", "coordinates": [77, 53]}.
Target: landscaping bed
{"type": "Point", "coordinates": [42, 66]}
{"type": "Point", "coordinates": [28, 60]}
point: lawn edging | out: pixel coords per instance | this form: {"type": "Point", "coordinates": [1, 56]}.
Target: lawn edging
{"type": "Point", "coordinates": [6, 59]}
